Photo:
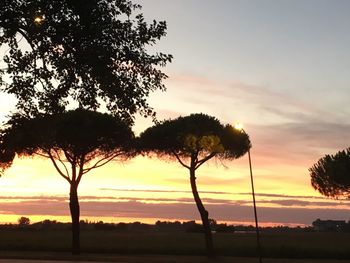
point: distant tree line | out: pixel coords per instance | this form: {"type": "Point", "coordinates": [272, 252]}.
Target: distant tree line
{"type": "Point", "coordinates": [159, 226]}
{"type": "Point", "coordinates": [168, 226]}
{"type": "Point", "coordinates": [331, 225]}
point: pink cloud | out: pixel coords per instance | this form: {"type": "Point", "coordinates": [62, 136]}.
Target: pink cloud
{"type": "Point", "coordinates": [290, 211]}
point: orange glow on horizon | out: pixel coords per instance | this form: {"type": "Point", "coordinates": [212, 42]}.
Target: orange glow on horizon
{"type": "Point", "coordinates": [149, 181]}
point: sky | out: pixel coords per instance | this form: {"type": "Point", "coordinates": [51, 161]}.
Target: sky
{"type": "Point", "coordinates": [281, 68]}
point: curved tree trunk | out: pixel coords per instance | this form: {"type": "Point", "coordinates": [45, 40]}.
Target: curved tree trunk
{"type": "Point", "coordinates": [204, 215]}
{"type": "Point", "coordinates": [75, 214]}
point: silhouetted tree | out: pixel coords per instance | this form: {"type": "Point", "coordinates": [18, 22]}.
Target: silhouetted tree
{"type": "Point", "coordinates": [331, 175]}
{"type": "Point", "coordinates": [76, 142]}
{"type": "Point", "coordinates": [6, 158]}
{"type": "Point", "coordinates": [23, 221]}
{"type": "Point", "coordinates": [194, 140]}
{"type": "Point", "coordinates": [84, 52]}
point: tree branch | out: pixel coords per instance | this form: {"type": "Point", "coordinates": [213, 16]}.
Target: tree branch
{"type": "Point", "coordinates": [200, 162]}
{"type": "Point", "coordinates": [61, 161]}
{"type": "Point", "coordinates": [41, 154]}
{"type": "Point", "coordinates": [69, 158]}
{"type": "Point", "coordinates": [181, 162]}
{"type": "Point", "coordinates": [102, 162]}
{"type": "Point", "coordinates": [57, 168]}
{"type": "Point", "coordinates": [81, 167]}
{"type": "Point", "coordinates": [22, 31]}
{"type": "Point", "coordinates": [73, 164]}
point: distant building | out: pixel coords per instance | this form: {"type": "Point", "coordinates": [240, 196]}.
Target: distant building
{"type": "Point", "coordinates": [329, 225]}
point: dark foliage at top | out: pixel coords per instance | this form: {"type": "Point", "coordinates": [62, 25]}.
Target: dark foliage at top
{"type": "Point", "coordinates": [6, 158]}
{"type": "Point", "coordinates": [78, 136]}
{"type": "Point", "coordinates": [78, 132]}
{"type": "Point", "coordinates": [331, 175]}
{"type": "Point", "coordinates": [92, 51]}
{"type": "Point", "coordinates": [197, 134]}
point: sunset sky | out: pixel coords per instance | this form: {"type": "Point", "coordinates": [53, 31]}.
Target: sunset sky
{"type": "Point", "coordinates": [282, 68]}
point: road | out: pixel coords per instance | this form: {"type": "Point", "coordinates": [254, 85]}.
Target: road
{"type": "Point", "coordinates": [175, 259]}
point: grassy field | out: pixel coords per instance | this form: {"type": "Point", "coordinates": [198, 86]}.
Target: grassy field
{"type": "Point", "coordinates": [281, 245]}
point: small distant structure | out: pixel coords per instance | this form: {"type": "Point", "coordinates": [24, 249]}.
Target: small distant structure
{"type": "Point", "coordinates": [329, 225]}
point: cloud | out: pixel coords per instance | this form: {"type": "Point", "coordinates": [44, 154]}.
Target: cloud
{"type": "Point", "coordinates": [290, 211]}
{"type": "Point", "coordinates": [284, 195]}
{"type": "Point", "coordinates": [20, 198]}
{"type": "Point", "coordinates": [160, 191]}
{"type": "Point", "coordinates": [261, 98]}
{"type": "Point", "coordinates": [284, 127]}
{"type": "Point", "coordinates": [299, 143]}
{"type": "Point", "coordinates": [303, 203]}
{"type": "Point", "coordinates": [270, 195]}
{"type": "Point", "coordinates": [273, 117]}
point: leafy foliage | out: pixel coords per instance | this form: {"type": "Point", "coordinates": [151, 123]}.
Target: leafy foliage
{"type": "Point", "coordinates": [196, 134]}
{"type": "Point", "coordinates": [91, 51]}
{"type": "Point", "coordinates": [6, 158]}
{"type": "Point", "coordinates": [77, 137]}
{"type": "Point", "coordinates": [331, 174]}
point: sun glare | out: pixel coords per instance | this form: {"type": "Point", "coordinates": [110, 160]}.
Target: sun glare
{"type": "Point", "coordinates": [38, 19]}
{"type": "Point", "coordinates": [238, 126]}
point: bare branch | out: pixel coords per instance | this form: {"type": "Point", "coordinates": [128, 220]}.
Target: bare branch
{"type": "Point", "coordinates": [181, 162]}
{"type": "Point", "coordinates": [42, 155]}
{"type": "Point", "coordinates": [102, 162]}
{"type": "Point", "coordinates": [58, 157]}
{"type": "Point", "coordinates": [24, 34]}
{"type": "Point", "coordinates": [81, 167]}
{"type": "Point", "coordinates": [68, 156]}
{"type": "Point", "coordinates": [200, 162]}
{"type": "Point", "coordinates": [57, 168]}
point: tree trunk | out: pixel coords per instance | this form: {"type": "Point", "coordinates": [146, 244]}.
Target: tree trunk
{"type": "Point", "coordinates": [204, 215]}
{"type": "Point", "coordinates": [75, 214]}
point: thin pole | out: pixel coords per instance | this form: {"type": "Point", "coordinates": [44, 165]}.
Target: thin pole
{"type": "Point", "coordinates": [255, 213]}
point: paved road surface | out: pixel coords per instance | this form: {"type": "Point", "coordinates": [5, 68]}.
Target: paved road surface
{"type": "Point", "coordinates": [176, 259]}
{"type": "Point", "coordinates": [64, 257]}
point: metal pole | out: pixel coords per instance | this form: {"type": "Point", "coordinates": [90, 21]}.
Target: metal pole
{"type": "Point", "coordinates": [255, 213]}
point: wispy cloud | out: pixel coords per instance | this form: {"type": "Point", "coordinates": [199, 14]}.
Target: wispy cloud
{"type": "Point", "coordinates": [274, 117]}
{"type": "Point", "coordinates": [262, 98]}
{"type": "Point", "coordinates": [285, 211]}
{"type": "Point", "coordinates": [285, 196]}
{"type": "Point", "coordinates": [159, 191]}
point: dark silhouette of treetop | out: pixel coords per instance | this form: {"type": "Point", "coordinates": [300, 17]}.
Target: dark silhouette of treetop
{"type": "Point", "coordinates": [6, 158]}
{"type": "Point", "coordinates": [7, 154]}
{"type": "Point", "coordinates": [81, 133]}
{"type": "Point", "coordinates": [91, 51]}
{"type": "Point", "coordinates": [23, 221]}
{"type": "Point", "coordinates": [76, 142]}
{"type": "Point", "coordinates": [331, 175]}
{"type": "Point", "coordinates": [194, 140]}
{"type": "Point", "coordinates": [197, 134]}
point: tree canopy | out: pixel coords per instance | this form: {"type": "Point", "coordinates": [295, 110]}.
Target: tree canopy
{"type": "Point", "coordinates": [79, 136]}
{"type": "Point", "coordinates": [331, 174]}
{"type": "Point", "coordinates": [6, 158]}
{"type": "Point", "coordinates": [196, 134]}
{"type": "Point", "coordinates": [88, 52]}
